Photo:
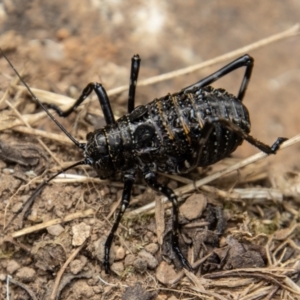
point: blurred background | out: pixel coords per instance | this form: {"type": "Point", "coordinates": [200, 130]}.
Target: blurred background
{"type": "Point", "coordinates": [63, 45]}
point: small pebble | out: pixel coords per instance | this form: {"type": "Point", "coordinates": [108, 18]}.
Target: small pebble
{"type": "Point", "coordinates": [12, 267]}
{"type": "Point", "coordinates": [78, 264]}
{"type": "Point", "coordinates": [2, 277]}
{"type": "Point", "coordinates": [80, 233]}
{"type": "Point", "coordinates": [149, 235]}
{"type": "Point", "coordinates": [7, 171]}
{"type": "Point", "coordinates": [55, 230]}
{"type": "Point", "coordinates": [49, 204]}
{"type": "Point", "coordinates": [140, 265]}
{"type": "Point", "coordinates": [152, 248]}
{"type": "Point", "coordinates": [129, 260]}
{"type": "Point", "coordinates": [75, 266]}
{"type": "Point", "coordinates": [119, 253]}
{"type": "Point", "coordinates": [149, 258]}
{"type": "Point", "coordinates": [26, 274]}
{"type": "Point", "coordinates": [33, 217]}
{"type": "Point", "coordinates": [193, 206]}
{"type": "Point", "coordinates": [166, 274]}
{"type": "Point", "coordinates": [117, 267]}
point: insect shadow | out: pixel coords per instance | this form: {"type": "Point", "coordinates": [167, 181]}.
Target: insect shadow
{"type": "Point", "coordinates": [197, 126]}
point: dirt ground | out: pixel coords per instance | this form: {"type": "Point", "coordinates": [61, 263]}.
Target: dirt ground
{"type": "Point", "coordinates": [243, 237]}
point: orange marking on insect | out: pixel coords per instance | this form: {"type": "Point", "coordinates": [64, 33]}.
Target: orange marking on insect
{"type": "Point", "coordinates": [200, 120]}
{"type": "Point", "coordinates": [183, 123]}
{"type": "Point", "coordinates": [164, 122]}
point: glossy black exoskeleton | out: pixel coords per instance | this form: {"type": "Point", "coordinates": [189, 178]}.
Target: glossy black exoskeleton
{"type": "Point", "coordinates": [197, 126]}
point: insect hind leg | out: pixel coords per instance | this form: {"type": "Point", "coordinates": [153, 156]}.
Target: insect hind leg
{"type": "Point", "coordinates": [150, 178]}
{"type": "Point", "coordinates": [194, 161]}
{"type": "Point", "coordinates": [250, 139]}
{"type": "Point", "coordinates": [244, 61]}
{"type": "Point", "coordinates": [102, 97]}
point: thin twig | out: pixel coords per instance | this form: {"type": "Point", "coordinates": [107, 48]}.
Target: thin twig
{"type": "Point", "coordinates": [27, 124]}
{"type": "Point", "coordinates": [21, 285]}
{"type": "Point", "coordinates": [42, 133]}
{"type": "Point", "coordinates": [111, 284]}
{"type": "Point", "coordinates": [8, 278]}
{"type": "Point", "coordinates": [70, 217]}
{"type": "Point", "coordinates": [62, 270]}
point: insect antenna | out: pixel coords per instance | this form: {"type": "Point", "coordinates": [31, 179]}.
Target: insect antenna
{"type": "Point", "coordinates": [25, 209]}
{"type": "Point", "coordinates": [63, 129]}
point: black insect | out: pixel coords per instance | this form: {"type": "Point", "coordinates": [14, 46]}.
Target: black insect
{"type": "Point", "coordinates": [197, 126]}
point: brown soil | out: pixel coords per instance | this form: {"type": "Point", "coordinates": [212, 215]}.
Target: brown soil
{"type": "Point", "coordinates": [60, 46]}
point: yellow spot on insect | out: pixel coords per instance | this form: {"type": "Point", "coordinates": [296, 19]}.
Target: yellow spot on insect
{"type": "Point", "coordinates": [164, 123]}
{"type": "Point", "coordinates": [186, 131]}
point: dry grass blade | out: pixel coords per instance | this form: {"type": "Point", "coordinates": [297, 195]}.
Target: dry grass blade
{"type": "Point", "coordinates": [25, 287]}
{"type": "Point", "coordinates": [192, 186]}
{"type": "Point", "coordinates": [260, 193]}
{"type": "Point", "coordinates": [235, 194]}
{"type": "Point", "coordinates": [63, 268]}
{"type": "Point", "coordinates": [51, 98]}
{"type": "Point", "coordinates": [70, 217]}
{"type": "Point", "coordinates": [9, 123]}
{"type": "Point", "coordinates": [29, 127]}
{"type": "Point", "coordinates": [273, 276]}
{"type": "Point", "coordinates": [44, 134]}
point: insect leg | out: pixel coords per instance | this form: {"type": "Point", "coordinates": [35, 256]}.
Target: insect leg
{"type": "Point", "coordinates": [238, 131]}
{"type": "Point", "coordinates": [128, 182]}
{"type": "Point", "coordinates": [152, 182]}
{"type": "Point", "coordinates": [103, 100]}
{"type": "Point", "coordinates": [134, 74]}
{"type": "Point", "coordinates": [193, 162]}
{"type": "Point", "coordinates": [244, 61]}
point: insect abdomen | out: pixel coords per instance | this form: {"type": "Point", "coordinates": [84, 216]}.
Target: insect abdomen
{"type": "Point", "coordinates": [222, 141]}
{"type": "Point", "coordinates": [179, 119]}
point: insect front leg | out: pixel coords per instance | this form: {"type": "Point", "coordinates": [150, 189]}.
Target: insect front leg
{"type": "Point", "coordinates": [244, 61]}
{"type": "Point", "coordinates": [103, 100]}
{"type": "Point", "coordinates": [152, 182]}
{"type": "Point", "coordinates": [134, 73]}
{"type": "Point", "coordinates": [250, 139]}
{"type": "Point", "coordinates": [128, 182]}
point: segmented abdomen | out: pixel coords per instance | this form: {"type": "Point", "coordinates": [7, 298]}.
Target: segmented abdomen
{"type": "Point", "coordinates": [179, 118]}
